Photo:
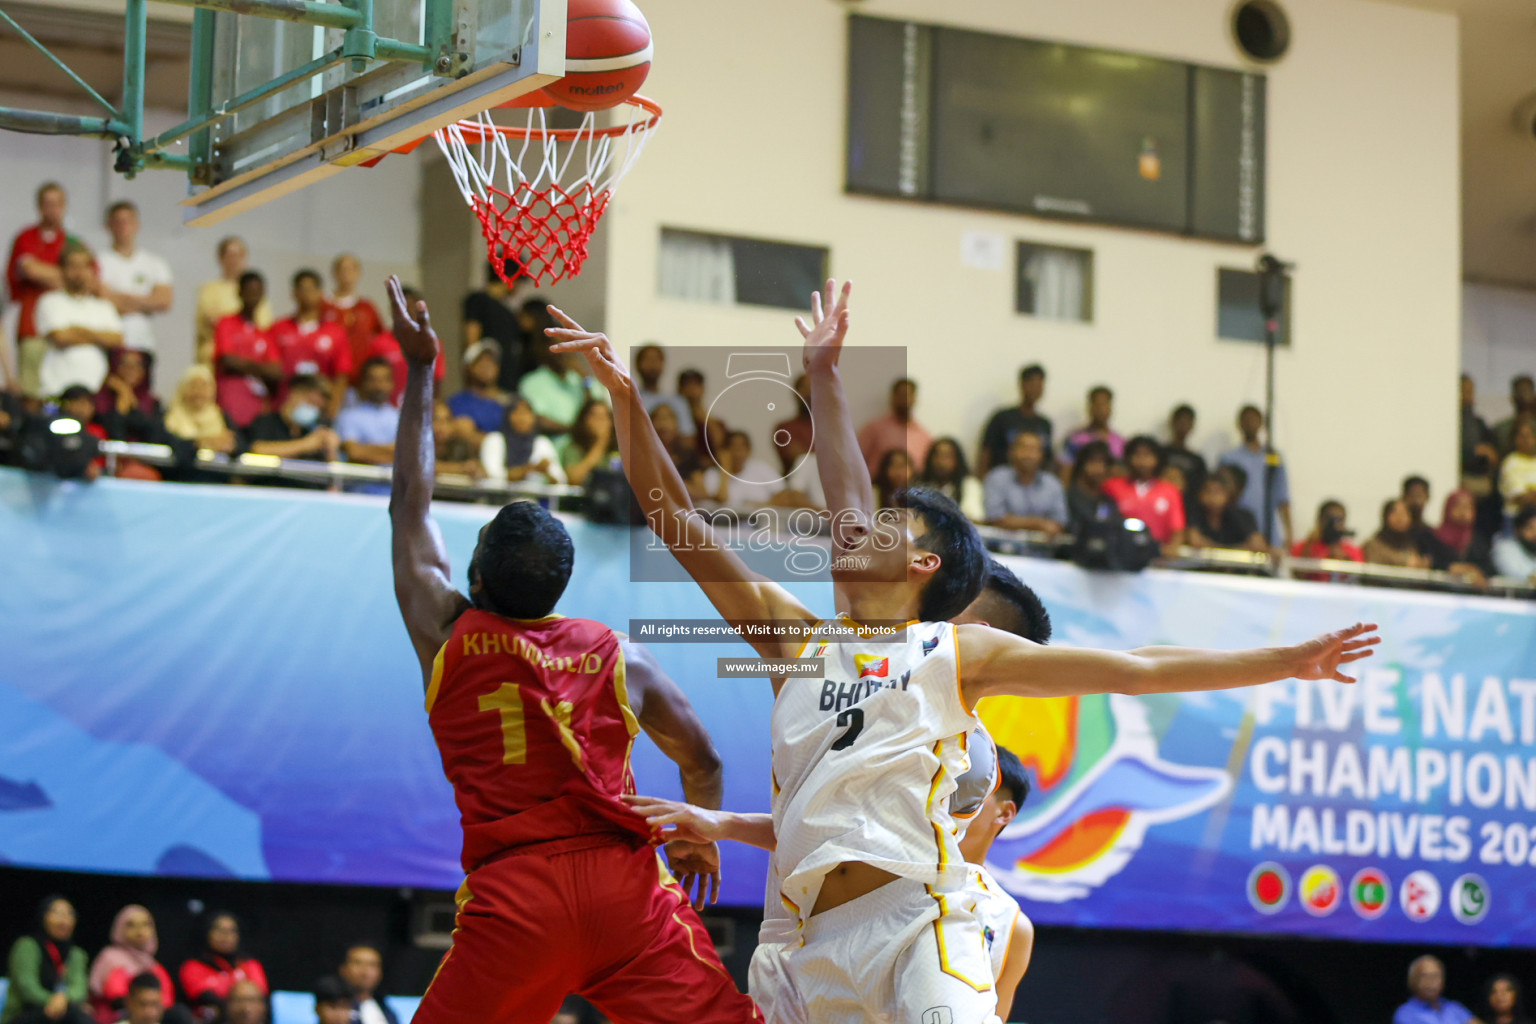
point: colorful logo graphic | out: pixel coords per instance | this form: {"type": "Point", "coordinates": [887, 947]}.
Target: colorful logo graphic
{"type": "Point", "coordinates": [930, 645]}
{"type": "Point", "coordinates": [1100, 785]}
{"type": "Point", "coordinates": [1321, 890]}
{"type": "Point", "coordinates": [1370, 893]}
{"type": "Point", "coordinates": [872, 665]}
{"type": "Point", "coordinates": [1269, 887]}
{"type": "Point", "coordinates": [1420, 895]}
{"type": "Point", "coordinates": [821, 651]}
{"type": "Point", "coordinates": [1469, 898]}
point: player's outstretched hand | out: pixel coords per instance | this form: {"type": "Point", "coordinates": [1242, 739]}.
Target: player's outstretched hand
{"type": "Point", "coordinates": [828, 325]}
{"type": "Point", "coordinates": [413, 327]}
{"type": "Point", "coordinates": [673, 819]}
{"type": "Point", "coordinates": [696, 866]}
{"type": "Point", "coordinates": [1323, 656]}
{"type": "Point", "coordinates": [606, 365]}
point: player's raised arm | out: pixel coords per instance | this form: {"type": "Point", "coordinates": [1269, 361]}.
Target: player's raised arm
{"type": "Point", "coordinates": [705, 825]}
{"type": "Point", "coordinates": [737, 593]}
{"type": "Point", "coordinates": [427, 599]}
{"type": "Point", "coordinates": [995, 663]}
{"type": "Point", "coordinates": [845, 479]}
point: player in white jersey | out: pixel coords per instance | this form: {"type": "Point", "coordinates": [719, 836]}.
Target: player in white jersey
{"type": "Point", "coordinates": [882, 936]}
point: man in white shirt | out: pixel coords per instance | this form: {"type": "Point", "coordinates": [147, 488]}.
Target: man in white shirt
{"type": "Point", "coordinates": [137, 283]}
{"type": "Point", "coordinates": [363, 970]}
{"type": "Point", "coordinates": [78, 327]}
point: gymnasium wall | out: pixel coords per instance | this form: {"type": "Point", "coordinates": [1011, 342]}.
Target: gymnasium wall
{"type": "Point", "coordinates": [1363, 195]}
{"type": "Point", "coordinates": [372, 213]}
{"type": "Point", "coordinates": [1497, 328]}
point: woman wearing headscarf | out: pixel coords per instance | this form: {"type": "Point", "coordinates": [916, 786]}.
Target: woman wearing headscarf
{"type": "Point", "coordinates": [131, 953]}
{"type": "Point", "coordinates": [207, 978]}
{"type": "Point", "coordinates": [48, 971]}
{"type": "Point", "coordinates": [194, 413]}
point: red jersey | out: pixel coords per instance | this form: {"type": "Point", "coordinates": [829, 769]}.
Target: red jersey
{"type": "Point", "coordinates": [45, 245]}
{"type": "Point", "coordinates": [359, 322]}
{"type": "Point", "coordinates": [317, 348]}
{"type": "Point", "coordinates": [386, 347]}
{"type": "Point", "coordinates": [534, 727]}
{"type": "Point", "coordinates": [243, 397]}
{"type": "Point", "coordinates": [1156, 503]}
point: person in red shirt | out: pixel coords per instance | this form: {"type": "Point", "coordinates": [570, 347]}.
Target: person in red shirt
{"type": "Point", "coordinates": [355, 315]}
{"type": "Point", "coordinates": [386, 347]}
{"type": "Point", "coordinates": [207, 978]}
{"type": "Point", "coordinates": [33, 268]}
{"type": "Point", "coordinates": [248, 366]}
{"type": "Point", "coordinates": [534, 715]}
{"type": "Point", "coordinates": [1329, 538]}
{"type": "Point", "coordinates": [310, 345]}
{"type": "Point", "coordinates": [1143, 495]}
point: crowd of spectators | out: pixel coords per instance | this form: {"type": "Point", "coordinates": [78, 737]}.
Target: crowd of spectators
{"type": "Point", "coordinates": [53, 980]}
{"type": "Point", "coordinates": [1502, 1002]}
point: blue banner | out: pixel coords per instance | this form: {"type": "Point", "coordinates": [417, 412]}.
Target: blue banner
{"type": "Point", "coordinates": [214, 682]}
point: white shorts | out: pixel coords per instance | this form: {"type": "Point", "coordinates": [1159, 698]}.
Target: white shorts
{"type": "Point", "coordinates": [769, 984]}
{"type": "Point", "coordinates": [898, 955]}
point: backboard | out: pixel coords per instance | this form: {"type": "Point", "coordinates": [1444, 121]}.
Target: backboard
{"type": "Point", "coordinates": [459, 58]}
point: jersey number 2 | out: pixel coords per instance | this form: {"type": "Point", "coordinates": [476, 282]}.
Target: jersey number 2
{"type": "Point", "coordinates": [853, 718]}
{"type": "Point", "coordinates": [507, 699]}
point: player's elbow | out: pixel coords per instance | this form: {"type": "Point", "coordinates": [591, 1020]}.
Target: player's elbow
{"type": "Point", "coordinates": [1135, 675]}
{"type": "Point", "coordinates": [701, 761]}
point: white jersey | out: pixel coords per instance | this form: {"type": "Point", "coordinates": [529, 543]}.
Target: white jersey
{"type": "Point", "coordinates": [997, 911]}
{"type": "Point", "coordinates": [865, 759]}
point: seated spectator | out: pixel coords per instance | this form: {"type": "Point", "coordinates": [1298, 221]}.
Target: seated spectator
{"type": "Point", "coordinates": [363, 972]}
{"type": "Point", "coordinates": [1517, 476]}
{"type": "Point", "coordinates": [1178, 454]}
{"type": "Point", "coordinates": [386, 346]}
{"type": "Point", "coordinates": [1393, 543]}
{"type": "Point", "coordinates": [136, 282]}
{"type": "Point", "coordinates": [125, 395]}
{"type": "Point", "coordinates": [482, 401]}
{"type": "Point", "coordinates": [208, 978]}
{"type": "Point", "coordinates": [1217, 522]}
{"type": "Point", "coordinates": [453, 441]}
{"type": "Point", "coordinates": [295, 430]}
{"type": "Point", "coordinates": [1426, 1005]}
{"type": "Point", "coordinates": [1022, 495]}
{"type": "Point", "coordinates": [1522, 396]}
{"type": "Point", "coordinates": [690, 388]}
{"type": "Point", "coordinates": [130, 954]}
{"type": "Point", "coordinates": [685, 454]}
{"type": "Point", "coordinates": [1144, 495]}
{"type": "Point", "coordinates": [1009, 422]}
{"type": "Point", "coordinates": [898, 428]}
{"type": "Point", "coordinates": [1252, 458]}
{"type": "Point", "coordinates": [247, 365]}
{"type": "Point", "coordinates": [1503, 1001]}
{"type": "Point", "coordinates": [1101, 406]}
{"type": "Point", "coordinates": [1515, 554]}
{"type": "Point", "coordinates": [367, 427]}
{"type": "Point", "coordinates": [47, 971]}
{"type": "Point", "coordinates": [650, 363]}
{"type": "Point", "coordinates": [1415, 494]}
{"type": "Point", "coordinates": [1086, 501]}
{"type": "Point", "coordinates": [145, 1003]}
{"type": "Point", "coordinates": [358, 318]}
{"type": "Point", "coordinates": [79, 328]}
{"type": "Point", "coordinates": [222, 297]}
{"type": "Point", "coordinates": [891, 475]}
{"type": "Point", "coordinates": [77, 403]}
{"type": "Point", "coordinates": [740, 481]}
{"type": "Point", "coordinates": [946, 471]}
{"type": "Point", "coordinates": [312, 346]}
{"type": "Point", "coordinates": [1329, 537]}
{"type": "Point", "coordinates": [247, 1004]}
{"type": "Point", "coordinates": [793, 437]}
{"type": "Point", "coordinates": [1175, 476]}
{"type": "Point", "coordinates": [558, 390]}
{"type": "Point", "coordinates": [1458, 534]}
{"type": "Point", "coordinates": [488, 316]}
{"type": "Point", "coordinates": [195, 416]}
{"type": "Point", "coordinates": [334, 1004]}
{"type": "Point", "coordinates": [518, 451]}
{"type": "Point", "coordinates": [592, 444]}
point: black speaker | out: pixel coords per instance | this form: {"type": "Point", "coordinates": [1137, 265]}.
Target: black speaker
{"type": "Point", "coordinates": [1261, 29]}
{"type": "Point", "coordinates": [609, 499]}
{"type": "Point", "coordinates": [1109, 543]}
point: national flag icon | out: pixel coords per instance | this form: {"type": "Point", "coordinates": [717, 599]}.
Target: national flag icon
{"type": "Point", "coordinates": [1321, 890]}
{"type": "Point", "coordinates": [1420, 895]}
{"type": "Point", "coordinates": [1269, 887]}
{"type": "Point", "coordinates": [872, 665]}
{"type": "Point", "coordinates": [1370, 893]}
{"type": "Point", "coordinates": [929, 646]}
{"type": "Point", "coordinates": [1469, 898]}
{"type": "Point", "coordinates": [821, 651]}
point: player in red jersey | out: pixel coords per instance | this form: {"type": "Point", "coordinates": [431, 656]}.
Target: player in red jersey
{"type": "Point", "coordinates": [534, 715]}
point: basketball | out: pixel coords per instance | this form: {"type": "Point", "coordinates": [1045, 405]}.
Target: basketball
{"type": "Point", "coordinates": [607, 55]}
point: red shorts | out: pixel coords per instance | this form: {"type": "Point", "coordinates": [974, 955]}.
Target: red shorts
{"type": "Point", "coordinates": [608, 923]}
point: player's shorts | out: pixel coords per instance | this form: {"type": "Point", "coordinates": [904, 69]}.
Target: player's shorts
{"type": "Point", "coordinates": [769, 982]}
{"type": "Point", "coordinates": [898, 954]}
{"type": "Point", "coordinates": [605, 922]}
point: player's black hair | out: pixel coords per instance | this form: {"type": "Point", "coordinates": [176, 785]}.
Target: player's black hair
{"type": "Point", "coordinates": [145, 981]}
{"type": "Point", "coordinates": [331, 989]}
{"type": "Point", "coordinates": [522, 563]}
{"type": "Point", "coordinates": [1014, 780]}
{"type": "Point", "coordinates": [1030, 619]}
{"type": "Point", "coordinates": [962, 556]}
{"type": "Point", "coordinates": [313, 275]}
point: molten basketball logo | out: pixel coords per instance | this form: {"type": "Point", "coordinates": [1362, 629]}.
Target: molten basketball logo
{"type": "Point", "coordinates": [1101, 785]}
{"type": "Point", "coordinates": [1321, 891]}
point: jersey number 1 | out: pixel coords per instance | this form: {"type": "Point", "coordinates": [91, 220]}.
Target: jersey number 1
{"type": "Point", "coordinates": [853, 718]}
{"type": "Point", "coordinates": [507, 699]}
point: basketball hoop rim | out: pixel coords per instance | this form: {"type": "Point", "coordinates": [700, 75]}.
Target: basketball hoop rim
{"type": "Point", "coordinates": [512, 131]}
